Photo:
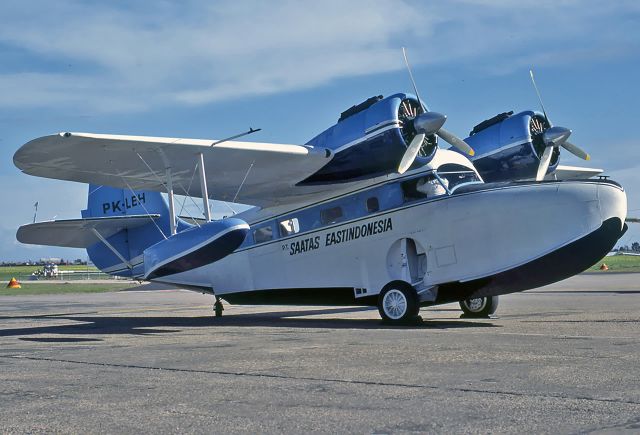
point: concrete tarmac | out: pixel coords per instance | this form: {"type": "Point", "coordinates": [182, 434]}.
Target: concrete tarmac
{"type": "Point", "coordinates": [559, 359]}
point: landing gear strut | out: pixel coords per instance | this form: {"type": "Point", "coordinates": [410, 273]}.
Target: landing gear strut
{"type": "Point", "coordinates": [218, 307]}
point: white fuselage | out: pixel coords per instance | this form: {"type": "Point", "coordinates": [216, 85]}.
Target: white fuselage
{"type": "Point", "coordinates": [455, 237]}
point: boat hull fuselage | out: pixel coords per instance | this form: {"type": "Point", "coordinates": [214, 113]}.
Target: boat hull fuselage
{"type": "Point", "coordinates": [485, 239]}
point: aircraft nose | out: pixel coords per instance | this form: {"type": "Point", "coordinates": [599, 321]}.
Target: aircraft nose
{"type": "Point", "coordinates": [612, 201]}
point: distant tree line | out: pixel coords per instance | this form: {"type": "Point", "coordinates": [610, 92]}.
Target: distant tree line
{"type": "Point", "coordinates": [635, 247]}
{"type": "Point", "coordinates": [43, 261]}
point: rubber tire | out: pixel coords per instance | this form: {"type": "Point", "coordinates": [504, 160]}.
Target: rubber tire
{"type": "Point", "coordinates": [488, 307]}
{"type": "Point", "coordinates": [411, 298]}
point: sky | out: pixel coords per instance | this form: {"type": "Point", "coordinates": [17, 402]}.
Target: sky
{"type": "Point", "coordinates": [211, 69]}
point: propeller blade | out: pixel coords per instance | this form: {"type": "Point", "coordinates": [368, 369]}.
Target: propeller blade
{"type": "Point", "coordinates": [429, 122]}
{"type": "Point", "coordinates": [544, 163]}
{"type": "Point", "coordinates": [575, 150]}
{"type": "Point", "coordinates": [555, 136]}
{"type": "Point", "coordinates": [411, 153]}
{"type": "Point", "coordinates": [455, 141]}
{"type": "Point", "coordinates": [413, 82]}
{"type": "Point", "coordinates": [539, 97]}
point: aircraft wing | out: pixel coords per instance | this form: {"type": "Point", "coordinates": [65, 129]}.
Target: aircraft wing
{"type": "Point", "coordinates": [572, 173]}
{"type": "Point", "coordinates": [267, 172]}
{"type": "Point", "coordinates": [78, 233]}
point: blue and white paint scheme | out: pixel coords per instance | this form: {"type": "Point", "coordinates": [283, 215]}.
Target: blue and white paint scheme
{"type": "Point", "coordinates": [370, 139]}
{"type": "Point", "coordinates": [336, 221]}
{"type": "Point", "coordinates": [194, 247]}
{"type": "Point", "coordinates": [524, 146]}
{"type": "Point", "coordinates": [510, 149]}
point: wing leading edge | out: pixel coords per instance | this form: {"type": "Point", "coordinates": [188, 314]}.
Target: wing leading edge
{"type": "Point", "coordinates": [267, 172]}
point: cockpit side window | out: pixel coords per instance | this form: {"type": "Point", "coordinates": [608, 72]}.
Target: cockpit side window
{"type": "Point", "coordinates": [457, 175]}
{"type": "Point", "coordinates": [427, 186]}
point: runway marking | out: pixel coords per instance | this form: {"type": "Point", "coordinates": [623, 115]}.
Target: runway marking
{"type": "Point", "coordinates": [333, 380]}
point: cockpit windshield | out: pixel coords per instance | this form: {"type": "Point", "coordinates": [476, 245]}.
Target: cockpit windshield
{"type": "Point", "coordinates": [426, 186]}
{"type": "Point", "coordinates": [455, 176]}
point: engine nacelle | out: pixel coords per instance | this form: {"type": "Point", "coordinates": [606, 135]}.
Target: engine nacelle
{"type": "Point", "coordinates": [508, 147]}
{"type": "Point", "coordinates": [370, 139]}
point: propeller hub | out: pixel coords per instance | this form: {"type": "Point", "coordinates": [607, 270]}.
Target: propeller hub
{"type": "Point", "coordinates": [556, 136]}
{"type": "Point", "coordinates": [429, 122]}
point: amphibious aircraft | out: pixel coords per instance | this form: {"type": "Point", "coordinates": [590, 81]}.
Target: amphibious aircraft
{"type": "Point", "coordinates": [369, 212]}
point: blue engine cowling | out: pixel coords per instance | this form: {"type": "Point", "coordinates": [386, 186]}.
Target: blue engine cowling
{"type": "Point", "coordinates": [195, 247]}
{"type": "Point", "coordinates": [508, 147]}
{"type": "Point", "coordinates": [369, 140]}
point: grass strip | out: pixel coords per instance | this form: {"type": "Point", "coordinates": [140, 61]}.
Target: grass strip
{"type": "Point", "coordinates": [50, 289]}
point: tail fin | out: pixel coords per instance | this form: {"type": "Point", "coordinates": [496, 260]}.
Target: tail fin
{"type": "Point", "coordinates": [130, 243]}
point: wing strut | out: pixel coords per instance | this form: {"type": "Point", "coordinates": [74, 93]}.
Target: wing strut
{"type": "Point", "coordinates": [172, 208]}
{"type": "Point", "coordinates": [110, 246]}
{"type": "Point", "coordinates": [203, 187]}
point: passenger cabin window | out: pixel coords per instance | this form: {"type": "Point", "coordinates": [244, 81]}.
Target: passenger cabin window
{"type": "Point", "coordinates": [456, 175]}
{"type": "Point", "coordinates": [263, 234]}
{"type": "Point", "coordinates": [330, 215]}
{"type": "Point", "coordinates": [372, 204]}
{"type": "Point", "coordinates": [289, 226]}
{"type": "Point", "coordinates": [427, 186]}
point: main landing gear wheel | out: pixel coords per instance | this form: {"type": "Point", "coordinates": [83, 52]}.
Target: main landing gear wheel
{"type": "Point", "coordinates": [479, 307]}
{"type": "Point", "coordinates": [398, 304]}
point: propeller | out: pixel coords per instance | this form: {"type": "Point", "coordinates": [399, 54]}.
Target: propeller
{"type": "Point", "coordinates": [553, 138]}
{"type": "Point", "coordinates": [427, 124]}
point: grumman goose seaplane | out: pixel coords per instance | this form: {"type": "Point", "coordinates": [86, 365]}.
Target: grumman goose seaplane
{"type": "Point", "coordinates": [370, 212]}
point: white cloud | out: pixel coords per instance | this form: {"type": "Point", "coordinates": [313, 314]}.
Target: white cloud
{"type": "Point", "coordinates": [107, 57]}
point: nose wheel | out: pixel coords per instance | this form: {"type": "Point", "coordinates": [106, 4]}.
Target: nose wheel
{"type": "Point", "coordinates": [478, 308]}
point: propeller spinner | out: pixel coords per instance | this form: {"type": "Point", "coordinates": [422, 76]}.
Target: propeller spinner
{"type": "Point", "coordinates": [553, 138]}
{"type": "Point", "coordinates": [427, 124]}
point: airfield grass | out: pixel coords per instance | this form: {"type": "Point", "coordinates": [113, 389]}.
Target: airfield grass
{"type": "Point", "coordinates": [618, 263]}
{"type": "Point", "coordinates": [67, 287]}
{"type": "Point", "coordinates": [21, 272]}
{"type": "Point", "coordinates": [54, 286]}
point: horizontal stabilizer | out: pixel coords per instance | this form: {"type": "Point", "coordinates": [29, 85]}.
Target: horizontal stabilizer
{"type": "Point", "coordinates": [78, 233]}
{"type": "Point", "coordinates": [572, 173]}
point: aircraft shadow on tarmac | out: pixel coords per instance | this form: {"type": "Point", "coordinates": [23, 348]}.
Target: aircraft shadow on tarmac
{"type": "Point", "coordinates": [148, 325]}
